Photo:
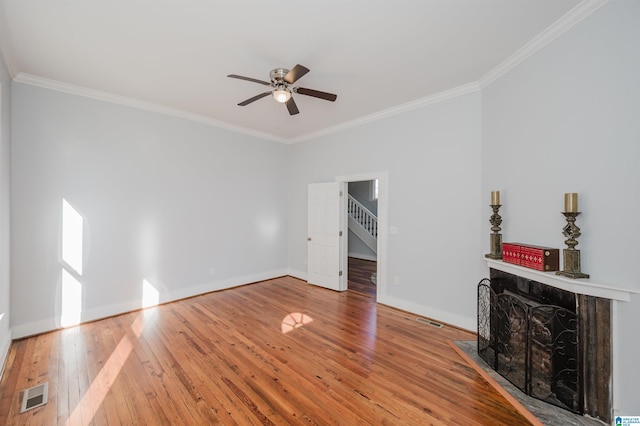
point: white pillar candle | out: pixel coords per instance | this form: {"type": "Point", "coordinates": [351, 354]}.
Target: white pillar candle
{"type": "Point", "coordinates": [495, 198]}
{"type": "Point", "coordinates": [571, 202]}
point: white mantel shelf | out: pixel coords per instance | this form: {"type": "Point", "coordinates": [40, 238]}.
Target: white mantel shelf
{"type": "Point", "coordinates": [579, 286]}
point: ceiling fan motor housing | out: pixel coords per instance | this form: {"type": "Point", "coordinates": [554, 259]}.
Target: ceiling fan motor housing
{"type": "Point", "coordinates": [277, 75]}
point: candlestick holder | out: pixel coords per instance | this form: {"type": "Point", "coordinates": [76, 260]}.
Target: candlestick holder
{"type": "Point", "coordinates": [496, 237]}
{"type": "Point", "coordinates": [571, 254]}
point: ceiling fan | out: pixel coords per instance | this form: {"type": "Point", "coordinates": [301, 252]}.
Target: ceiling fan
{"type": "Point", "coordinates": [281, 82]}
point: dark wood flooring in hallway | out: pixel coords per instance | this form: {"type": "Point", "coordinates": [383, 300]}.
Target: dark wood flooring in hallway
{"type": "Point", "coordinates": [359, 278]}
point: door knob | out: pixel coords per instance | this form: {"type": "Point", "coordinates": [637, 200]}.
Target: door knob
{"type": "Point", "coordinates": [308, 238]}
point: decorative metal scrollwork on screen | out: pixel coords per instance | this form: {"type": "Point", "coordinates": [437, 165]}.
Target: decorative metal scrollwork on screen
{"type": "Point", "coordinates": [534, 346]}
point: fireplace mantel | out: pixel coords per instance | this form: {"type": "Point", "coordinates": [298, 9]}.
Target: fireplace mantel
{"type": "Point", "coordinates": [579, 286]}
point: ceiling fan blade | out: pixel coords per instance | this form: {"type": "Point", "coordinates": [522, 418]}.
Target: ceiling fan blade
{"type": "Point", "coordinates": [296, 73]}
{"type": "Point", "coordinates": [292, 107]}
{"type": "Point", "coordinates": [316, 94]}
{"type": "Point", "coordinates": [255, 98]}
{"type": "Point", "coordinates": [240, 77]}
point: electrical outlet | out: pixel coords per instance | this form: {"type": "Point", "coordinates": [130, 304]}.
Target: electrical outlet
{"type": "Point", "coordinates": [396, 280]}
{"type": "Point", "coordinates": [212, 271]}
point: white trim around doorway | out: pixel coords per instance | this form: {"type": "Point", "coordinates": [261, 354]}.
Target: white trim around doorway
{"type": "Point", "coordinates": [383, 225]}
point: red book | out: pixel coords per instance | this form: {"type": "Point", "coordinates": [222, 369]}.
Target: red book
{"type": "Point", "coordinates": [511, 253]}
{"type": "Point", "coordinates": [540, 258]}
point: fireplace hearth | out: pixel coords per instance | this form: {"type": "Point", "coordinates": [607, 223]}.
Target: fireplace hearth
{"type": "Point", "coordinates": [543, 340]}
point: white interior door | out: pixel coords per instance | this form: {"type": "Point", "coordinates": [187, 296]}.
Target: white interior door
{"type": "Point", "coordinates": [325, 223]}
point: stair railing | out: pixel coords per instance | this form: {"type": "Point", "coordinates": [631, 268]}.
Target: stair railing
{"type": "Point", "coordinates": [363, 216]}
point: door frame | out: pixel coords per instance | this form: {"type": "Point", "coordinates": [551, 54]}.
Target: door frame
{"type": "Point", "coordinates": [383, 227]}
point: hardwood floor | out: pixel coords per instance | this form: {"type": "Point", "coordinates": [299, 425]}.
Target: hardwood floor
{"type": "Point", "coordinates": [276, 352]}
{"type": "Point", "coordinates": [359, 276]}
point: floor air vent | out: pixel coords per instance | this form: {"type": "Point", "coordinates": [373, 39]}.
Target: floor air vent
{"type": "Point", "coordinates": [429, 322]}
{"type": "Point", "coordinates": [35, 397]}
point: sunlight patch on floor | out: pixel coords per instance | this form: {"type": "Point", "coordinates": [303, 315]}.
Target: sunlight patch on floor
{"type": "Point", "coordinates": [86, 409]}
{"type": "Point", "coordinates": [294, 320]}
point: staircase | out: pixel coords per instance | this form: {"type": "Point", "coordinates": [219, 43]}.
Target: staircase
{"type": "Point", "coordinates": [363, 223]}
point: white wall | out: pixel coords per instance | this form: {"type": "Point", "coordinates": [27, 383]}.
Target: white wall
{"type": "Point", "coordinates": [568, 120]}
{"type": "Point", "coordinates": [5, 178]}
{"type": "Point", "coordinates": [433, 152]}
{"type": "Point", "coordinates": [162, 199]}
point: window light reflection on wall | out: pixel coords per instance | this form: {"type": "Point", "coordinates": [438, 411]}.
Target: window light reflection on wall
{"type": "Point", "coordinates": [72, 224]}
{"type": "Point", "coordinates": [71, 253]}
{"type": "Point", "coordinates": [150, 295]}
{"type": "Point", "coordinates": [71, 300]}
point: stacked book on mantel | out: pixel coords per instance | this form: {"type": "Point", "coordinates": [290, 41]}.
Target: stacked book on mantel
{"type": "Point", "coordinates": [535, 257]}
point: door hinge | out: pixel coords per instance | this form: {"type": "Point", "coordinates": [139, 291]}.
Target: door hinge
{"type": "Point", "coordinates": [341, 194]}
{"type": "Point", "coordinates": [340, 273]}
{"type": "Point", "coordinates": [340, 234]}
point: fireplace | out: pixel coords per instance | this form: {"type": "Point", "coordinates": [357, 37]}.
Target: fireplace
{"type": "Point", "coordinates": [551, 343]}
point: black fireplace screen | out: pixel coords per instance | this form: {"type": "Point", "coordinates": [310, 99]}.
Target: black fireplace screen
{"type": "Point", "coordinates": [533, 345]}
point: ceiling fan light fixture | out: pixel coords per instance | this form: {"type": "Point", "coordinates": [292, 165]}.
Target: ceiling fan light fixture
{"type": "Point", "coordinates": [281, 95]}
{"type": "Point", "coordinates": [282, 89]}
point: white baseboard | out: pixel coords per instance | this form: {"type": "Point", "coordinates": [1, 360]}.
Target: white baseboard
{"type": "Point", "coordinates": [5, 345]}
{"type": "Point", "coordinates": [297, 274]}
{"type": "Point", "coordinates": [460, 321]}
{"type": "Point", "coordinates": [49, 324]}
{"type": "Point", "coordinates": [463, 322]}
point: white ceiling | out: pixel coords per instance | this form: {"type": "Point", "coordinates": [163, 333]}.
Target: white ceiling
{"type": "Point", "coordinates": [174, 55]}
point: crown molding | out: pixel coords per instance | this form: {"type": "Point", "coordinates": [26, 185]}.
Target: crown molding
{"type": "Point", "coordinates": [420, 103]}
{"type": "Point", "coordinates": [555, 30]}
{"type": "Point", "coordinates": [135, 103]}
{"type": "Point", "coordinates": [5, 44]}
{"type": "Point", "coordinates": [570, 19]}
{"type": "Point", "coordinates": [566, 22]}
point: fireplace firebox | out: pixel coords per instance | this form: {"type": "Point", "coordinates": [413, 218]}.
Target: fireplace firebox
{"type": "Point", "coordinates": [543, 340]}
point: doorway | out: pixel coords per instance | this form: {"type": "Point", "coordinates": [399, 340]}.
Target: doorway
{"type": "Point", "coordinates": [362, 268]}
{"type": "Point", "coordinates": [362, 234]}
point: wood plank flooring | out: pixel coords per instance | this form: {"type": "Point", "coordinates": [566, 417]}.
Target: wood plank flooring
{"type": "Point", "coordinates": [272, 353]}
{"type": "Point", "coordinates": [359, 275]}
